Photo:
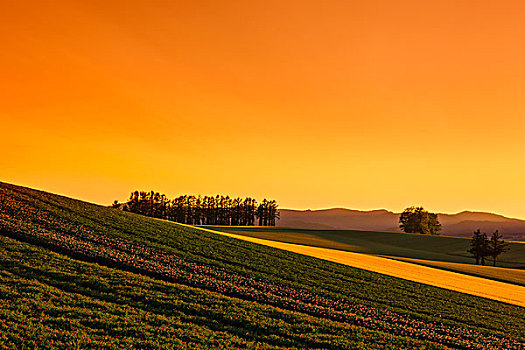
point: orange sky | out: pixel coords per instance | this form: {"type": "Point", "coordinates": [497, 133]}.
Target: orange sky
{"type": "Point", "coordinates": [361, 104]}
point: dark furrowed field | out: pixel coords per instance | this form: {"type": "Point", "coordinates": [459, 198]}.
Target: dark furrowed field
{"type": "Point", "coordinates": [381, 310]}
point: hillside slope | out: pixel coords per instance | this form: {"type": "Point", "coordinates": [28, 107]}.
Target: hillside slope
{"type": "Point", "coordinates": [165, 276]}
{"type": "Point", "coordinates": [396, 244]}
{"type": "Point", "coordinates": [445, 253]}
{"type": "Point", "coordinates": [403, 268]}
{"type": "Point", "coordinates": [458, 225]}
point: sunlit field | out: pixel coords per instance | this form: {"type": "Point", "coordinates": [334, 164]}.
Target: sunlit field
{"type": "Point", "coordinates": [446, 252]}
{"type": "Point", "coordinates": [510, 275]}
{"type": "Point", "coordinates": [78, 275]}
{"type": "Point", "coordinates": [158, 159]}
{"type": "Point", "coordinates": [464, 283]}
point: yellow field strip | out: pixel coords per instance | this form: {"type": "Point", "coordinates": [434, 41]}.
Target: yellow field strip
{"type": "Point", "coordinates": [505, 292]}
{"type": "Point", "coordinates": [503, 274]}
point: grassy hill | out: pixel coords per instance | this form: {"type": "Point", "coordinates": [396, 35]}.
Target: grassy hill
{"type": "Point", "coordinates": [416, 246]}
{"type": "Point", "coordinates": [77, 275]}
{"type": "Point", "coordinates": [449, 253]}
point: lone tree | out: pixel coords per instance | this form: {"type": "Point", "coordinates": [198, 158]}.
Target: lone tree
{"type": "Point", "coordinates": [479, 246]}
{"type": "Point", "coordinates": [496, 246]}
{"type": "Point", "coordinates": [418, 220]}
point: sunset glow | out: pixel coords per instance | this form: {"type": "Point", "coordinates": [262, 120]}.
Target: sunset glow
{"type": "Point", "coordinates": [317, 104]}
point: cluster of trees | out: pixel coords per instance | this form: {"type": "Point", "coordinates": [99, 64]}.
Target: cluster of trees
{"type": "Point", "coordinates": [481, 247]}
{"type": "Point", "coordinates": [199, 210]}
{"type": "Point", "coordinates": [418, 220]}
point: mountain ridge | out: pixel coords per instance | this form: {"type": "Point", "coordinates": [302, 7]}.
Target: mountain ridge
{"type": "Point", "coordinates": [461, 224]}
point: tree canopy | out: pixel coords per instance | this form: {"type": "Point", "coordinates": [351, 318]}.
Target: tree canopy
{"type": "Point", "coordinates": [418, 220]}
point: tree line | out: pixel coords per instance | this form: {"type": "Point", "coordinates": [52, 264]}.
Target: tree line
{"type": "Point", "coordinates": [199, 210]}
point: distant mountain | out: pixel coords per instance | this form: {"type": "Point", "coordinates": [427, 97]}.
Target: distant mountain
{"type": "Point", "coordinates": [460, 225]}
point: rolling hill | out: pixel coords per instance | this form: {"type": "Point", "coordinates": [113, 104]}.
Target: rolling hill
{"type": "Point", "coordinates": [509, 286]}
{"type": "Point", "coordinates": [448, 253]}
{"type": "Point", "coordinates": [458, 225]}
{"type": "Point", "coordinates": [77, 275]}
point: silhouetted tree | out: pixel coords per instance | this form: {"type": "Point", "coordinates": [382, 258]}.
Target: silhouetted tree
{"type": "Point", "coordinates": [249, 211]}
{"type": "Point", "coordinates": [236, 211]}
{"type": "Point", "coordinates": [272, 212]}
{"type": "Point", "coordinates": [418, 220]}
{"type": "Point", "coordinates": [479, 246]}
{"type": "Point", "coordinates": [261, 213]}
{"type": "Point", "coordinates": [496, 246]}
{"type": "Point", "coordinates": [198, 211]}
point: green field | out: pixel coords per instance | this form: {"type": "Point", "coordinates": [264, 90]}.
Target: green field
{"type": "Point", "coordinates": [406, 245]}
{"type": "Point", "coordinates": [437, 251]}
{"type": "Point", "coordinates": [77, 275]}
{"type": "Point", "coordinates": [503, 274]}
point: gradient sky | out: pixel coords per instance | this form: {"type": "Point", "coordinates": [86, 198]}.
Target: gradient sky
{"type": "Point", "coordinates": [361, 104]}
